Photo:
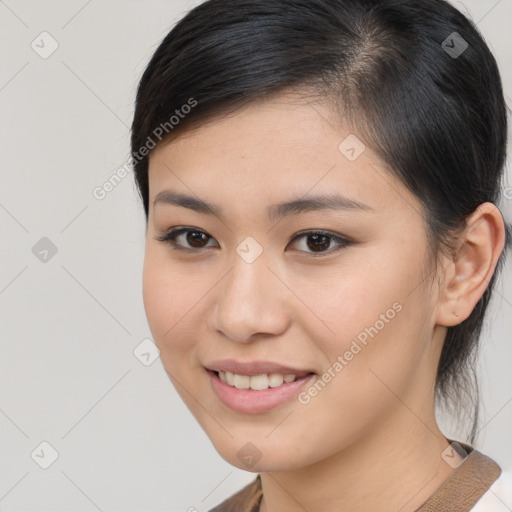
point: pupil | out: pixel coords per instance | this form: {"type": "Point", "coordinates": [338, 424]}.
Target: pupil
{"type": "Point", "coordinates": [323, 245]}
{"type": "Point", "coordinates": [194, 237]}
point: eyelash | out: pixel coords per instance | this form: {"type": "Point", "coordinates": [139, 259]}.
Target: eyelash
{"type": "Point", "coordinates": [170, 236]}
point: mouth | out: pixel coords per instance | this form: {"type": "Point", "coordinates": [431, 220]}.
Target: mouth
{"type": "Point", "coordinates": [257, 382]}
{"type": "Point", "coordinates": [257, 392]}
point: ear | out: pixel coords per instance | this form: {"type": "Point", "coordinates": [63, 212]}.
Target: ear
{"type": "Point", "coordinates": [471, 267]}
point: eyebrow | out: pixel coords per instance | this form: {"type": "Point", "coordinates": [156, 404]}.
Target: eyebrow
{"type": "Point", "coordinates": [334, 201]}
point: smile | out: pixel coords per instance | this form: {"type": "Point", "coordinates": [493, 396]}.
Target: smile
{"type": "Point", "coordinates": [255, 382]}
{"type": "Point", "coordinates": [255, 394]}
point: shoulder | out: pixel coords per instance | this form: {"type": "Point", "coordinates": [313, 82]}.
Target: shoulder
{"type": "Point", "coordinates": [498, 497]}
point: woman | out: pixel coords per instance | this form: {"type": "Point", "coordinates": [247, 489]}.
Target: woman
{"type": "Point", "coordinates": [320, 180]}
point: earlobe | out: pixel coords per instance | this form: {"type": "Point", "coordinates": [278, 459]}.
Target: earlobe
{"type": "Point", "coordinates": [473, 264]}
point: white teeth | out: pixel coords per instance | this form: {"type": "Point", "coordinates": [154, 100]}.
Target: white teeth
{"type": "Point", "coordinates": [275, 379]}
{"type": "Point", "coordinates": [242, 381]}
{"type": "Point", "coordinates": [255, 382]}
{"type": "Point", "coordinates": [259, 382]}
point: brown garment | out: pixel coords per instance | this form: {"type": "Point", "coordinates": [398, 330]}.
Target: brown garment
{"type": "Point", "coordinates": [458, 493]}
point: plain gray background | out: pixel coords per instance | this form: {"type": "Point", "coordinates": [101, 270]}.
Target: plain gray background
{"type": "Point", "coordinates": [70, 323]}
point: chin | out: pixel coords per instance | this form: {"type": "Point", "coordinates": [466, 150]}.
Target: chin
{"type": "Point", "coordinates": [260, 456]}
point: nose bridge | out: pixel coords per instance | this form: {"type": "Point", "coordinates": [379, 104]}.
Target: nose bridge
{"type": "Point", "coordinates": [247, 301]}
{"type": "Point", "coordinates": [249, 267]}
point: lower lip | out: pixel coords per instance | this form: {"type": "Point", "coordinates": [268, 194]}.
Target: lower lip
{"type": "Point", "coordinates": [250, 401]}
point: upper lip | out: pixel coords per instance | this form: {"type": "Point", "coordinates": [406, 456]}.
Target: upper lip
{"type": "Point", "coordinates": [254, 367]}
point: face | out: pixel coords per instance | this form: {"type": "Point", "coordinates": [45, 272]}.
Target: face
{"type": "Point", "coordinates": [324, 306]}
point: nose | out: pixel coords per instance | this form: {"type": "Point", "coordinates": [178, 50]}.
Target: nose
{"type": "Point", "coordinates": [250, 301]}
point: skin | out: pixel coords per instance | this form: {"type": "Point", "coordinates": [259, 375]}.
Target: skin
{"type": "Point", "coordinates": [369, 440]}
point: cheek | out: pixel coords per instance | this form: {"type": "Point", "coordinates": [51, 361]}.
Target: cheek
{"type": "Point", "coordinates": [357, 298]}
{"type": "Point", "coordinates": [169, 295]}
{"type": "Point", "coordinates": [158, 301]}
{"type": "Point", "coordinates": [376, 323]}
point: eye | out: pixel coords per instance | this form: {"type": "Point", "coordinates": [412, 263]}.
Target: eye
{"type": "Point", "coordinates": [320, 242]}
{"type": "Point", "coordinates": [192, 239]}
{"type": "Point", "coordinates": [179, 237]}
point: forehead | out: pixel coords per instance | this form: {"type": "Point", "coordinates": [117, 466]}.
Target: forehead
{"type": "Point", "coordinates": [283, 147]}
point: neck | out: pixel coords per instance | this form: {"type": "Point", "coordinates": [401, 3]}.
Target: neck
{"type": "Point", "coordinates": [396, 468]}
